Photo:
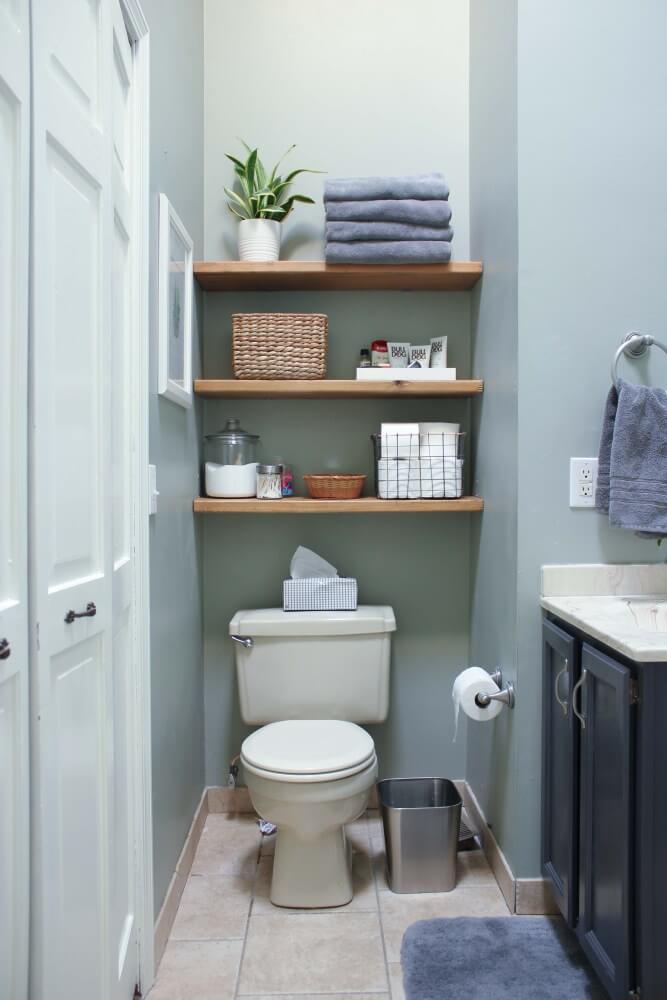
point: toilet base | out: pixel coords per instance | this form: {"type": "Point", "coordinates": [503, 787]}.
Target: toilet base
{"type": "Point", "coordinates": [311, 873]}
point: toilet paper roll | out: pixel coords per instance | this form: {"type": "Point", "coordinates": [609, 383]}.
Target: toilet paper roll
{"type": "Point", "coordinates": [466, 687]}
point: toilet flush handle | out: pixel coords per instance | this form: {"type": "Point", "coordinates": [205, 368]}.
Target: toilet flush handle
{"type": "Point", "coordinates": [244, 640]}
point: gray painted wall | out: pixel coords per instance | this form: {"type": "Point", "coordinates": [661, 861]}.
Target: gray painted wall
{"type": "Point", "coordinates": [371, 88]}
{"type": "Point", "coordinates": [592, 152]}
{"type": "Point", "coordinates": [589, 155]}
{"type": "Point", "coordinates": [492, 748]}
{"type": "Point", "coordinates": [176, 119]}
{"type": "Point", "coordinates": [380, 98]}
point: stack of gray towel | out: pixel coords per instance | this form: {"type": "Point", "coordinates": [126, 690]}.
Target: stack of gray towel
{"type": "Point", "coordinates": [388, 220]}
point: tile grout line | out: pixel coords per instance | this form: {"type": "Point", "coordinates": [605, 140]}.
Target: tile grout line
{"type": "Point", "coordinates": [247, 923]}
{"type": "Point", "coordinates": [377, 900]}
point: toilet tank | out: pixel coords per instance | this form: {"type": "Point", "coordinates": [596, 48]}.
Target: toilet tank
{"type": "Point", "coordinates": [313, 664]}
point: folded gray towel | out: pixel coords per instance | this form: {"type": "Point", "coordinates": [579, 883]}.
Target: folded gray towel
{"type": "Point", "coordinates": [348, 232]}
{"type": "Point", "coordinates": [633, 459]}
{"type": "Point", "coordinates": [604, 454]}
{"type": "Point", "coordinates": [427, 186]}
{"type": "Point", "coordinates": [414, 213]}
{"type": "Point", "coordinates": [384, 252]}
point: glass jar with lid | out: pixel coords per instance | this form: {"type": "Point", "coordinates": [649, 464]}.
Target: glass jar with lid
{"type": "Point", "coordinates": [231, 462]}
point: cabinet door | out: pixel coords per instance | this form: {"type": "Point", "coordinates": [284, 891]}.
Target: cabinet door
{"type": "Point", "coordinates": [560, 768]}
{"type": "Point", "coordinates": [605, 925]}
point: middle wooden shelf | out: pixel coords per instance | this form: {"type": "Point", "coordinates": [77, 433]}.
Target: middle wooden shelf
{"type": "Point", "coordinates": [229, 388]}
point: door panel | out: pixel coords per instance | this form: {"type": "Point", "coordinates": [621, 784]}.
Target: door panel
{"type": "Point", "coordinates": [560, 814]}
{"type": "Point", "coordinates": [606, 916]}
{"type": "Point", "coordinates": [14, 704]}
{"type": "Point", "coordinates": [71, 505]}
{"type": "Point", "coordinates": [123, 923]}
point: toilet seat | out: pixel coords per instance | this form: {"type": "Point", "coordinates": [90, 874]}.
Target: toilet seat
{"type": "Point", "coordinates": [299, 750]}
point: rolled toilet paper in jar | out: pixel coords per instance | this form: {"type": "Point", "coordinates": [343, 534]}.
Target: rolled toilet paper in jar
{"type": "Point", "coordinates": [467, 685]}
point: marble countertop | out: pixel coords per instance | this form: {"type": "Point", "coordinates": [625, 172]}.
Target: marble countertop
{"type": "Point", "coordinates": [623, 606]}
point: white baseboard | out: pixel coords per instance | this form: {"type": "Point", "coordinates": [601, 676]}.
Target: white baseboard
{"type": "Point", "coordinates": [167, 914]}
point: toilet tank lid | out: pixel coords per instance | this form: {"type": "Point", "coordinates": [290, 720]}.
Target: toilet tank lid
{"type": "Point", "coordinates": [365, 620]}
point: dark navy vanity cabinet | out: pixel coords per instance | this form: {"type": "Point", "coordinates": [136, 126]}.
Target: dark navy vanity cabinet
{"type": "Point", "coordinates": [604, 806]}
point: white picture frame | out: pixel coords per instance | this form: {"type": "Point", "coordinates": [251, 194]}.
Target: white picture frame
{"type": "Point", "coordinates": [175, 281]}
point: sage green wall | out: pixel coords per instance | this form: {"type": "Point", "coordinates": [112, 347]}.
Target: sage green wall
{"type": "Point", "coordinates": [176, 136]}
{"type": "Point", "coordinates": [371, 89]}
{"type": "Point", "coordinates": [492, 750]}
{"type": "Point", "coordinates": [418, 564]}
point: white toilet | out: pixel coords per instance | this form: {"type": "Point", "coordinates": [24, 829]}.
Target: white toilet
{"type": "Point", "coordinates": [312, 676]}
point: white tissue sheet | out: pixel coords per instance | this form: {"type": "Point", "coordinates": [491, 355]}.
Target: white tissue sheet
{"type": "Point", "coordinates": [306, 565]}
{"type": "Point", "coordinates": [415, 478]}
{"type": "Point", "coordinates": [316, 586]}
{"type": "Point", "coordinates": [467, 686]}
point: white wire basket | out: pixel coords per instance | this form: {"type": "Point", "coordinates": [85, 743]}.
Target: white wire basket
{"type": "Point", "coordinates": [419, 466]}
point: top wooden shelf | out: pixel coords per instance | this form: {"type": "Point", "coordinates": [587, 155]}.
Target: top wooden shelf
{"type": "Point", "coordinates": [316, 275]}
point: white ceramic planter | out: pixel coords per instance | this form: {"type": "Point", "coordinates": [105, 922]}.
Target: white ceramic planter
{"type": "Point", "coordinates": [259, 239]}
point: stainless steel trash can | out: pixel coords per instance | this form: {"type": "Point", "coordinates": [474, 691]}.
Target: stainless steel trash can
{"type": "Point", "coordinates": [421, 819]}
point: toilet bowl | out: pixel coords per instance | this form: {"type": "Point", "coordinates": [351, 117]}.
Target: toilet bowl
{"type": "Point", "coordinates": [310, 777]}
{"type": "Point", "coordinates": [310, 679]}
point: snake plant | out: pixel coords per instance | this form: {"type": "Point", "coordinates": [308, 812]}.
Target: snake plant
{"type": "Point", "coordinates": [263, 195]}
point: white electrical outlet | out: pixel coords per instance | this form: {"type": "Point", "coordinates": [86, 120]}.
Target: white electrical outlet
{"type": "Point", "coordinates": [583, 481]}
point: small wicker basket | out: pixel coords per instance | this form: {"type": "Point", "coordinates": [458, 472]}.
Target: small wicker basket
{"type": "Point", "coordinates": [335, 486]}
{"type": "Point", "coordinates": [279, 345]}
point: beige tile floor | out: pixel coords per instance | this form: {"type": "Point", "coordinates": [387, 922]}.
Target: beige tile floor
{"type": "Point", "coordinates": [229, 941]}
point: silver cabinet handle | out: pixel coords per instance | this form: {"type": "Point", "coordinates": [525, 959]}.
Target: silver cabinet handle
{"type": "Point", "coordinates": [577, 687]}
{"type": "Point", "coordinates": [561, 702]}
{"type": "Point", "coordinates": [244, 640]}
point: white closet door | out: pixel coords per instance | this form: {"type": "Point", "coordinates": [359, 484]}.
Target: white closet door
{"type": "Point", "coordinates": [123, 921]}
{"type": "Point", "coordinates": [14, 708]}
{"type": "Point", "coordinates": [71, 496]}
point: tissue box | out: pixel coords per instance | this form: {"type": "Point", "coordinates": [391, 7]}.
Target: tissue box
{"type": "Point", "coordinates": [322, 593]}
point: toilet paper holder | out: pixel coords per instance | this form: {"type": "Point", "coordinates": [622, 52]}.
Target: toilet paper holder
{"type": "Point", "coordinates": [505, 695]}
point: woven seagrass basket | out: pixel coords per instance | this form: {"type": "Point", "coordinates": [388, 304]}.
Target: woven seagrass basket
{"type": "Point", "coordinates": [279, 345]}
{"type": "Point", "coordinates": [335, 486]}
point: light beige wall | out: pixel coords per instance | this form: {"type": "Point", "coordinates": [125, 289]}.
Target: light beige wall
{"type": "Point", "coordinates": [373, 87]}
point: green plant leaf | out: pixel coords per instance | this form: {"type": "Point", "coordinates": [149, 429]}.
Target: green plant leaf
{"type": "Point", "coordinates": [286, 153]}
{"type": "Point", "coordinates": [250, 170]}
{"type": "Point", "coordinates": [263, 195]}
{"type": "Point", "coordinates": [234, 198]}
{"type": "Point", "coordinates": [273, 211]}
{"type": "Point", "coordinates": [237, 163]}
{"type": "Point", "coordinates": [260, 173]}
{"type": "Point", "coordinates": [303, 170]}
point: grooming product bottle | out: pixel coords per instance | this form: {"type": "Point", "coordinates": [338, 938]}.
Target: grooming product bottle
{"type": "Point", "coordinates": [365, 358]}
{"type": "Point", "coordinates": [379, 354]}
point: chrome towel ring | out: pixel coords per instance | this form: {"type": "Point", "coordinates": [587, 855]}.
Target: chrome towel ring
{"type": "Point", "coordinates": [634, 345]}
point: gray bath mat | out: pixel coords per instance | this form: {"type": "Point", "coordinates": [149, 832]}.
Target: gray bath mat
{"type": "Point", "coordinates": [495, 958]}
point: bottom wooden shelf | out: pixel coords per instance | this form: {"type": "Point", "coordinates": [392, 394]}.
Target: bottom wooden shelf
{"type": "Point", "coordinates": [365, 505]}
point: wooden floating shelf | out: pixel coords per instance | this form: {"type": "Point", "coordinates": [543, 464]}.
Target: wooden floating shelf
{"type": "Point", "coordinates": [365, 505]}
{"type": "Point", "coordinates": [316, 275]}
{"type": "Point", "coordinates": [230, 388]}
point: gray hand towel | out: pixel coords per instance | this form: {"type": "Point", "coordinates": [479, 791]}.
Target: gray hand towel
{"type": "Point", "coordinates": [427, 186]}
{"type": "Point", "coordinates": [398, 252]}
{"type": "Point", "coordinates": [604, 454]}
{"type": "Point", "coordinates": [414, 213]}
{"type": "Point", "coordinates": [637, 459]}
{"type": "Point", "coordinates": [348, 232]}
